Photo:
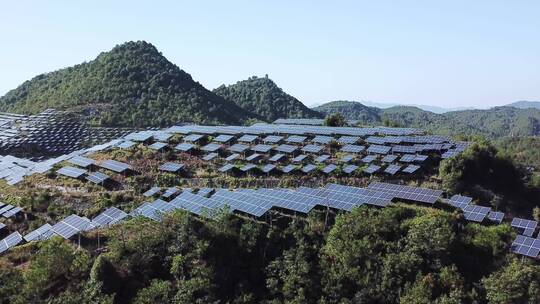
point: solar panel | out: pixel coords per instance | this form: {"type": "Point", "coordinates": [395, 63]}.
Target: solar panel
{"type": "Point", "coordinates": [296, 139]}
{"type": "Point", "coordinates": [115, 166]}
{"type": "Point", "coordinates": [268, 168]}
{"type": "Point", "coordinates": [312, 148]}
{"type": "Point", "coordinates": [277, 157]}
{"type": "Point", "coordinates": [261, 148]}
{"type": "Point", "coordinates": [71, 225]}
{"type": "Point", "coordinates": [248, 138]}
{"type": "Point", "coordinates": [407, 158]}
{"type": "Point", "coordinates": [378, 149]}
{"type": "Point", "coordinates": [372, 169]}
{"type": "Point", "coordinates": [420, 158]}
{"type": "Point", "coordinates": [404, 149]}
{"type": "Point", "coordinates": [389, 158]}
{"type": "Point", "coordinates": [223, 138]}
{"type": "Point", "coordinates": [347, 158]}
{"type": "Point", "coordinates": [248, 167]}
{"type": "Point", "coordinates": [170, 192]}
{"type": "Point", "coordinates": [243, 201]}
{"type": "Point", "coordinates": [238, 148]}
{"type": "Point", "coordinates": [288, 168]}
{"type": "Point", "coordinates": [411, 193]}
{"type": "Point", "coordinates": [97, 177]}
{"type": "Point", "coordinates": [110, 216]}
{"type": "Point", "coordinates": [410, 169]}
{"type": "Point", "coordinates": [329, 169]}
{"type": "Point", "coordinates": [152, 191]}
{"type": "Point", "coordinates": [300, 158]}
{"type": "Point", "coordinates": [126, 144]}
{"type": "Point", "coordinates": [197, 204]}
{"type": "Point", "coordinates": [71, 172]}
{"type": "Point", "coordinates": [226, 168]}
{"type": "Point", "coordinates": [475, 213]}
{"type": "Point", "coordinates": [81, 161]}
{"type": "Point", "coordinates": [347, 197]}
{"type": "Point", "coordinates": [210, 156]}
{"type": "Point", "coordinates": [376, 140]}
{"type": "Point", "coordinates": [232, 157]}
{"type": "Point", "coordinates": [526, 226]}
{"type": "Point", "coordinates": [272, 139]}
{"type": "Point", "coordinates": [526, 246]}
{"type": "Point", "coordinates": [352, 148]}
{"type": "Point", "coordinates": [171, 167]}
{"type": "Point", "coordinates": [193, 137]}
{"type": "Point", "coordinates": [184, 147]}
{"type": "Point", "coordinates": [2, 225]}
{"type": "Point", "coordinates": [459, 201]}
{"type": "Point", "coordinates": [348, 139]}
{"type": "Point", "coordinates": [495, 216]}
{"type": "Point", "coordinates": [308, 168]}
{"type": "Point", "coordinates": [369, 158]}
{"type": "Point", "coordinates": [350, 169]}
{"type": "Point", "coordinates": [322, 158]}
{"type": "Point", "coordinates": [253, 157]}
{"type": "Point", "coordinates": [321, 139]}
{"type": "Point", "coordinates": [284, 148]}
{"type": "Point", "coordinates": [392, 169]}
{"type": "Point", "coordinates": [10, 241]}
{"type": "Point", "coordinates": [157, 146]}
{"type": "Point", "coordinates": [211, 147]}
{"type": "Point", "coordinates": [205, 191]}
{"type": "Point", "coordinates": [41, 234]}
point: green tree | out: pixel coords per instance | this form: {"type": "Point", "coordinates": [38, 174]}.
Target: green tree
{"type": "Point", "coordinates": [335, 120]}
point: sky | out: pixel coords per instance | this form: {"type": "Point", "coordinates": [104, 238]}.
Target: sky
{"type": "Point", "coordinates": [439, 53]}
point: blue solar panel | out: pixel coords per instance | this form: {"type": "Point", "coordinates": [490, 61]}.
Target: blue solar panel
{"type": "Point", "coordinates": [352, 148]}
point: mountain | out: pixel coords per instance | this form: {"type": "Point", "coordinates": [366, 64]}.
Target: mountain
{"type": "Point", "coordinates": [524, 104]}
{"type": "Point", "coordinates": [263, 97]}
{"type": "Point", "coordinates": [351, 110]}
{"type": "Point", "coordinates": [131, 85]}
{"type": "Point", "coordinates": [434, 109]}
{"type": "Point", "coordinates": [495, 122]}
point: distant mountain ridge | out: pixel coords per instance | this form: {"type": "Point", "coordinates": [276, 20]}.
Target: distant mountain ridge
{"type": "Point", "coordinates": [525, 104]}
{"type": "Point", "coordinates": [131, 85]}
{"type": "Point", "coordinates": [494, 122]}
{"type": "Point", "coordinates": [263, 97]}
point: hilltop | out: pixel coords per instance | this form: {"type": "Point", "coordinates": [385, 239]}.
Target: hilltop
{"type": "Point", "coordinates": [263, 97]}
{"type": "Point", "coordinates": [131, 85]}
{"type": "Point", "coordinates": [524, 104]}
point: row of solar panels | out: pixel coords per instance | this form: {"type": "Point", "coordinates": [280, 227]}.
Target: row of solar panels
{"type": "Point", "coordinates": [308, 168]}
{"type": "Point", "coordinates": [67, 228]}
{"type": "Point", "coordinates": [207, 202]}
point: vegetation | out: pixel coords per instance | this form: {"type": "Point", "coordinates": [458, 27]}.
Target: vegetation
{"type": "Point", "coordinates": [335, 120]}
{"type": "Point", "coordinates": [264, 98]}
{"type": "Point", "coordinates": [132, 85]}
{"type": "Point", "coordinates": [483, 172]}
{"type": "Point", "coordinates": [397, 254]}
{"type": "Point", "coordinates": [494, 123]}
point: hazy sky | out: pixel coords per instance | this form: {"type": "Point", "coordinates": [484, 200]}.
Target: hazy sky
{"type": "Point", "coordinates": [461, 53]}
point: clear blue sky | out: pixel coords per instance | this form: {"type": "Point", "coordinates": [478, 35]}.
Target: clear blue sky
{"type": "Point", "coordinates": [456, 53]}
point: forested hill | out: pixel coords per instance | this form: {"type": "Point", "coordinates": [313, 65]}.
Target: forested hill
{"type": "Point", "coordinates": [131, 85]}
{"type": "Point", "coordinates": [494, 122]}
{"type": "Point", "coordinates": [263, 97]}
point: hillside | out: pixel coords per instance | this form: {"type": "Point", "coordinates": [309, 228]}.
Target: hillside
{"type": "Point", "coordinates": [263, 97]}
{"type": "Point", "coordinates": [495, 122]}
{"type": "Point", "coordinates": [131, 85]}
{"type": "Point", "coordinates": [524, 104]}
{"type": "Point", "coordinates": [351, 110]}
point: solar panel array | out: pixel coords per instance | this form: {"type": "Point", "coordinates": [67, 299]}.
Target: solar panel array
{"type": "Point", "coordinates": [526, 246]}
{"type": "Point", "coordinates": [411, 193]}
{"type": "Point", "coordinates": [526, 226]}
